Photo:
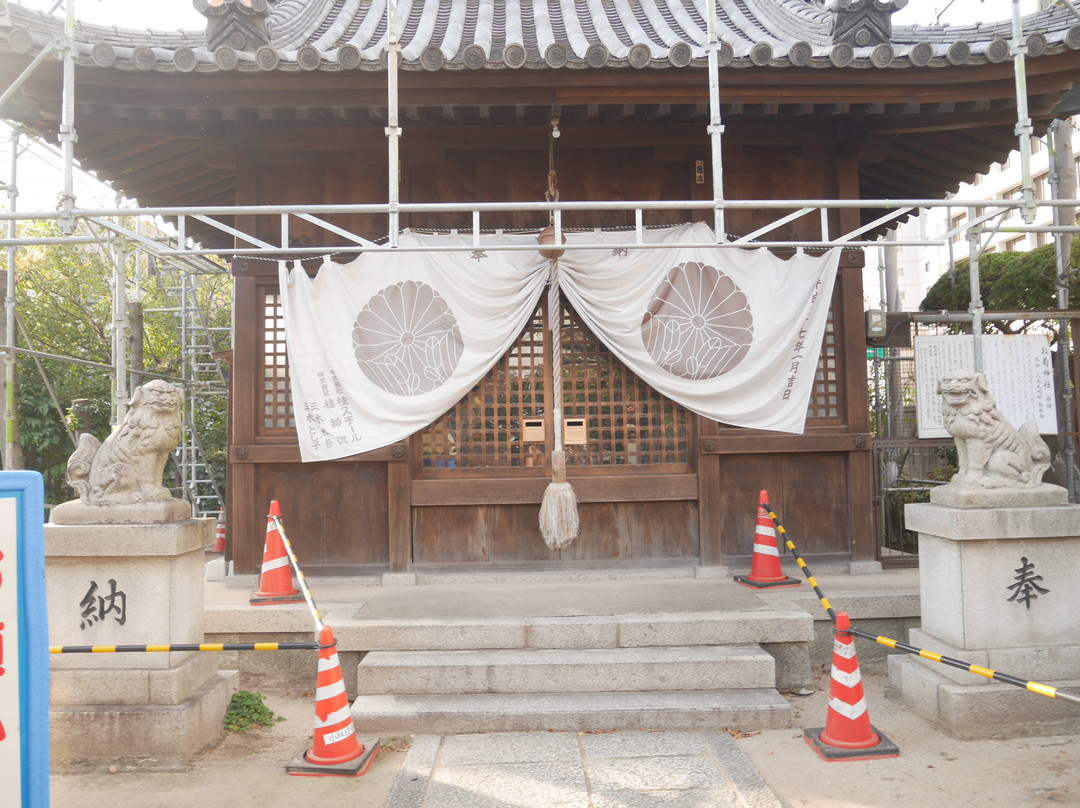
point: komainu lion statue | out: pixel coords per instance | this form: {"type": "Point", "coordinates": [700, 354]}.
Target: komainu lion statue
{"type": "Point", "coordinates": [127, 468]}
{"type": "Point", "coordinates": [119, 481]}
{"type": "Point", "coordinates": [991, 453]}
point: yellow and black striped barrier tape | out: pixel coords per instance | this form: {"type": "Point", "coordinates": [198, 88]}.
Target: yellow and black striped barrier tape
{"type": "Point", "coordinates": [799, 560]}
{"type": "Point", "coordinates": [206, 646]}
{"type": "Point", "coordinates": [299, 574]}
{"type": "Point", "coordinates": [979, 670]}
{"type": "Point", "coordinates": [1034, 687]}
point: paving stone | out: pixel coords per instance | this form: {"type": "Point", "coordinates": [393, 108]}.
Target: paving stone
{"type": "Point", "coordinates": [643, 744]}
{"type": "Point", "coordinates": [412, 781]}
{"type": "Point", "coordinates": [744, 777]}
{"type": "Point", "coordinates": [508, 785]}
{"type": "Point", "coordinates": [653, 774]}
{"type": "Point", "coordinates": [696, 798]}
{"type": "Point", "coordinates": [510, 747]}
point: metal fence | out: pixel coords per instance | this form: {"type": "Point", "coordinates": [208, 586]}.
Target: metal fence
{"type": "Point", "coordinates": [908, 467]}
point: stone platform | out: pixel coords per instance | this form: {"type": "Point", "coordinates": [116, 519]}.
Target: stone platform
{"type": "Point", "coordinates": [572, 650]}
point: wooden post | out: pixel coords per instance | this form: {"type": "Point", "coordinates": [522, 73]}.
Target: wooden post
{"type": "Point", "coordinates": [852, 332]}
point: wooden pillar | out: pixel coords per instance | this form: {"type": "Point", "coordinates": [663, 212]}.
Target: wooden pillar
{"type": "Point", "coordinates": [246, 529]}
{"type": "Point", "coordinates": [860, 471]}
{"type": "Point", "coordinates": [710, 503]}
{"type": "Point", "coordinates": [399, 512]}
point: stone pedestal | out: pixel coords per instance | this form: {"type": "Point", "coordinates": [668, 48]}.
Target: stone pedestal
{"type": "Point", "coordinates": [1000, 588]}
{"type": "Point", "coordinates": [131, 585]}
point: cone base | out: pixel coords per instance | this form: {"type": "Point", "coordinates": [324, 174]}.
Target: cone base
{"type": "Point", "coordinates": [299, 766]}
{"type": "Point", "coordinates": [747, 580]}
{"type": "Point", "coordinates": [264, 600]}
{"type": "Point", "coordinates": [883, 749]}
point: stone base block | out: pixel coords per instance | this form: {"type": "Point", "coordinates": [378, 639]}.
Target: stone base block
{"type": "Point", "coordinates": [980, 711]}
{"type": "Point", "coordinates": [712, 572]}
{"type": "Point", "coordinates": [1038, 663]}
{"type": "Point", "coordinates": [148, 737]}
{"type": "Point", "coordinates": [73, 687]}
{"type": "Point", "coordinates": [159, 511]}
{"type": "Point", "coordinates": [972, 496]}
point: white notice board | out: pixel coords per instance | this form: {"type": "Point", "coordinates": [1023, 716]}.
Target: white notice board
{"type": "Point", "coordinates": [1018, 369]}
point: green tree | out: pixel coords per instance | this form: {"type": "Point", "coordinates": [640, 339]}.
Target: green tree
{"type": "Point", "coordinates": [1008, 281]}
{"type": "Point", "coordinates": [64, 306]}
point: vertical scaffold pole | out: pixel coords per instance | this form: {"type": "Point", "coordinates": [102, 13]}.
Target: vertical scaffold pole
{"type": "Point", "coordinates": [393, 131]}
{"type": "Point", "coordinates": [1023, 121]}
{"type": "Point", "coordinates": [716, 127]}
{"type": "Point", "coordinates": [120, 328]}
{"type": "Point", "coordinates": [974, 235]}
{"type": "Point", "coordinates": [1063, 186]}
{"type": "Point", "coordinates": [10, 365]}
{"type": "Point", "coordinates": [67, 124]}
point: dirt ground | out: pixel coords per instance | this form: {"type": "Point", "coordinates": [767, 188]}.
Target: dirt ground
{"type": "Point", "coordinates": [932, 770]}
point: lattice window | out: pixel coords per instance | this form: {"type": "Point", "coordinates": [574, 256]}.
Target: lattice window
{"type": "Point", "coordinates": [486, 428]}
{"type": "Point", "coordinates": [825, 394]}
{"type": "Point", "coordinates": [625, 421]}
{"type": "Point", "coordinates": [277, 398]}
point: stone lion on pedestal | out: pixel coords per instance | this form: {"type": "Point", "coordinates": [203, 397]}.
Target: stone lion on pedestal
{"type": "Point", "coordinates": [119, 481]}
{"type": "Point", "coordinates": [991, 453]}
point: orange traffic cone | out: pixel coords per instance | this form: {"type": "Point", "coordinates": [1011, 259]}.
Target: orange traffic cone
{"type": "Point", "coordinates": [275, 583]}
{"type": "Point", "coordinates": [847, 734]}
{"type": "Point", "coordinates": [335, 751]}
{"type": "Point", "coordinates": [765, 569]}
{"type": "Point", "coordinates": [218, 547]}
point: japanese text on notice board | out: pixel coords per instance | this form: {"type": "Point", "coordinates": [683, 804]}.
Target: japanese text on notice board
{"type": "Point", "coordinates": [1019, 374]}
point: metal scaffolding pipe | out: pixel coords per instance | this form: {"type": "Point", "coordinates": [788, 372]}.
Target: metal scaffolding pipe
{"type": "Point", "coordinates": [121, 393]}
{"type": "Point", "coordinates": [716, 126]}
{"type": "Point", "coordinates": [393, 130]}
{"type": "Point", "coordinates": [974, 250]}
{"type": "Point", "coordinates": [1023, 120]}
{"type": "Point", "coordinates": [966, 316]}
{"type": "Point", "coordinates": [10, 361]}
{"type": "Point", "coordinates": [1060, 164]}
{"type": "Point", "coordinates": [30, 68]}
{"type": "Point", "coordinates": [67, 125]}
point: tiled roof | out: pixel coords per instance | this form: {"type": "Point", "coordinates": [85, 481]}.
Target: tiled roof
{"type": "Point", "coordinates": [567, 34]}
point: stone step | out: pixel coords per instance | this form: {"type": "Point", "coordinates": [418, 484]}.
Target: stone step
{"type": "Point", "coordinates": [565, 671]}
{"type": "Point", "coordinates": [749, 627]}
{"type": "Point", "coordinates": [746, 709]}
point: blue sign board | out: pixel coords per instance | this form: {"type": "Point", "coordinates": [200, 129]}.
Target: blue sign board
{"type": "Point", "coordinates": [24, 641]}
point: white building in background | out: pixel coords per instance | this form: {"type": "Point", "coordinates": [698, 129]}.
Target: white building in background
{"type": "Point", "coordinates": [918, 268]}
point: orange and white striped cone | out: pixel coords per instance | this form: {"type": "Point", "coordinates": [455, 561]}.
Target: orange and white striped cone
{"type": "Point", "coordinates": [218, 547]}
{"type": "Point", "coordinates": [765, 571]}
{"type": "Point", "coordinates": [275, 582]}
{"type": "Point", "coordinates": [847, 734]}
{"type": "Point", "coordinates": [335, 750]}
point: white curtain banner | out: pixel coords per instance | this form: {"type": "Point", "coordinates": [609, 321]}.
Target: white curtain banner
{"type": "Point", "coordinates": [381, 347]}
{"type": "Point", "coordinates": [731, 334]}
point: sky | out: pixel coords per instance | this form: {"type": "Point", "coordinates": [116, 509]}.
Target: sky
{"type": "Point", "coordinates": [172, 14]}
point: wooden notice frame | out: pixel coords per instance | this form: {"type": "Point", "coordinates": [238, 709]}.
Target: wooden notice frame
{"type": "Point", "coordinates": [1019, 375]}
{"type": "Point", "coordinates": [24, 642]}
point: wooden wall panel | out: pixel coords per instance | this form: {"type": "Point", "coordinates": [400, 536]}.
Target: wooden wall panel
{"type": "Point", "coordinates": [764, 172]}
{"type": "Point", "coordinates": [808, 492]}
{"type": "Point", "coordinates": [335, 514]}
{"type": "Point", "coordinates": [509, 533]}
{"type": "Point", "coordinates": [300, 178]}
